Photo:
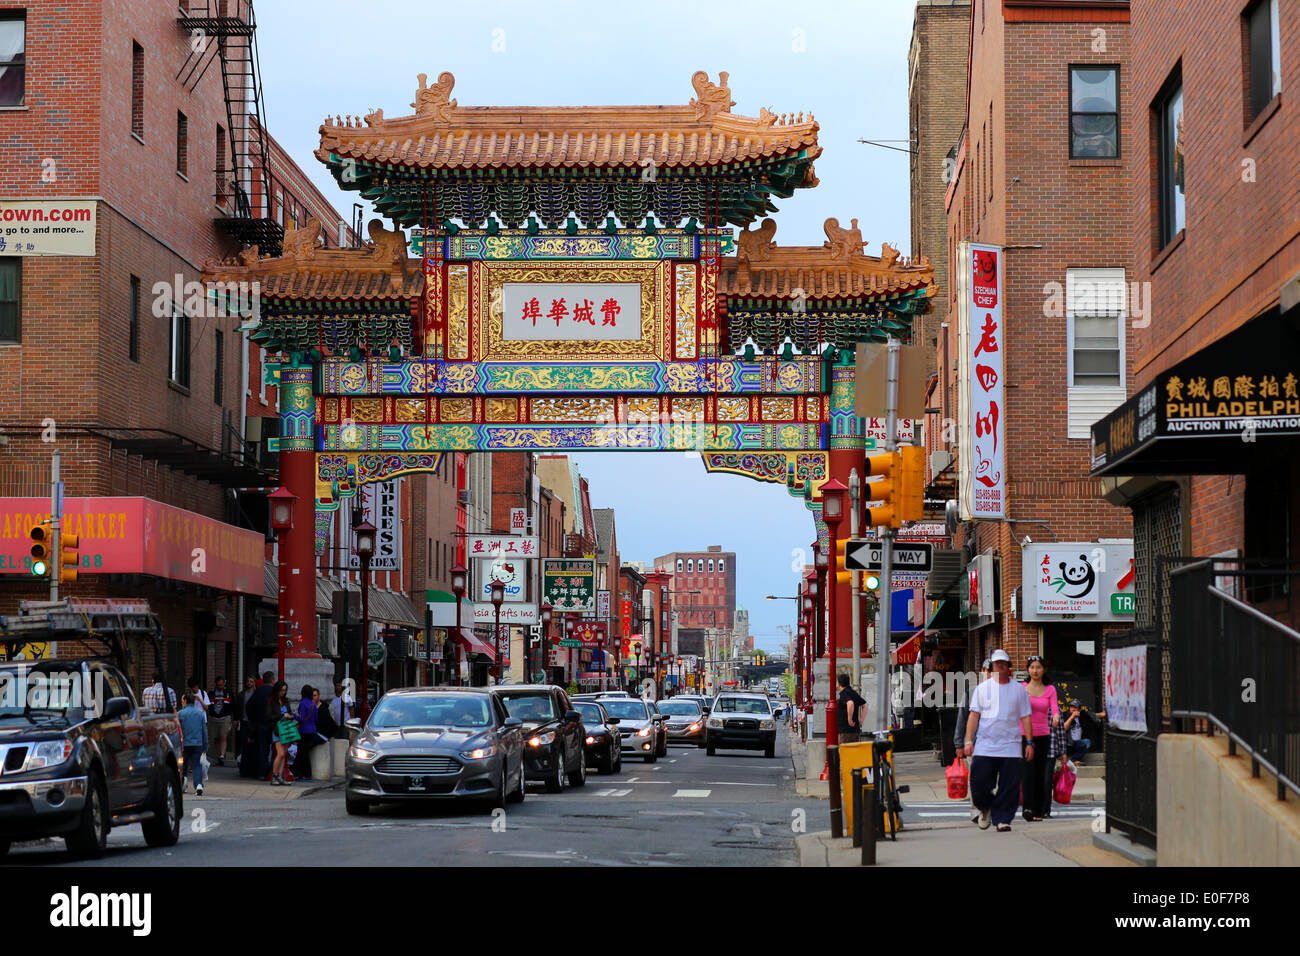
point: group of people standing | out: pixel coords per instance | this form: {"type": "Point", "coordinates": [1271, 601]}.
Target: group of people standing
{"type": "Point", "coordinates": [1016, 736]}
{"type": "Point", "coordinates": [272, 729]}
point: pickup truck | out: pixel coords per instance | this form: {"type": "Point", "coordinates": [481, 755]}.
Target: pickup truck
{"type": "Point", "coordinates": [78, 754]}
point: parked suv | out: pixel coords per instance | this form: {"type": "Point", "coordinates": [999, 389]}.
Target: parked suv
{"type": "Point", "coordinates": [554, 747]}
{"type": "Point", "coordinates": [741, 722]}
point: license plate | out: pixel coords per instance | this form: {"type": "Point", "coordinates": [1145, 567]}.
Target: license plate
{"type": "Point", "coordinates": [415, 783]}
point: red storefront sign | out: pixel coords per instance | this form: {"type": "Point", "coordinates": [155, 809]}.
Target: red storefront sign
{"type": "Point", "coordinates": [139, 536]}
{"type": "Point", "coordinates": [591, 633]}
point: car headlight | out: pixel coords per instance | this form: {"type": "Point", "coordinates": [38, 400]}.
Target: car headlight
{"type": "Point", "coordinates": [49, 753]}
{"type": "Point", "coordinates": [715, 721]}
{"type": "Point", "coordinates": [766, 724]}
{"type": "Point", "coordinates": [542, 740]}
{"type": "Point", "coordinates": [643, 732]}
{"type": "Point", "coordinates": [693, 727]}
{"type": "Point", "coordinates": [480, 753]}
{"type": "Point", "coordinates": [590, 739]}
{"type": "Point", "coordinates": [359, 752]}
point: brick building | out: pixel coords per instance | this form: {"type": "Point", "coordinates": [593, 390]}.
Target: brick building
{"type": "Point", "coordinates": [704, 593]}
{"type": "Point", "coordinates": [1205, 451]}
{"type": "Point", "coordinates": [1039, 177]}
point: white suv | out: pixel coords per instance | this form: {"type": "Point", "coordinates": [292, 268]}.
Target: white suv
{"type": "Point", "coordinates": [741, 722]}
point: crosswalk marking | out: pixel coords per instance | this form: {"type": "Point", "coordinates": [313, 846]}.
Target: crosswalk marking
{"type": "Point", "coordinates": [692, 793]}
{"type": "Point", "coordinates": [611, 792]}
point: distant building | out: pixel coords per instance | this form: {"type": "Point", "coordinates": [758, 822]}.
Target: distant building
{"type": "Point", "coordinates": [704, 593]}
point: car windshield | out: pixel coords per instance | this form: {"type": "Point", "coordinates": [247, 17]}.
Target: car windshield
{"type": "Point", "coordinates": [625, 708]}
{"type": "Point", "coordinates": [529, 706]}
{"type": "Point", "coordinates": [430, 710]}
{"type": "Point", "coordinates": [40, 694]}
{"type": "Point", "coordinates": [742, 705]}
{"type": "Point", "coordinates": [590, 713]}
{"type": "Point", "coordinates": [679, 708]}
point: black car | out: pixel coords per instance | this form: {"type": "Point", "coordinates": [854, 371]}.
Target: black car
{"type": "Point", "coordinates": [554, 750]}
{"type": "Point", "coordinates": [604, 745]}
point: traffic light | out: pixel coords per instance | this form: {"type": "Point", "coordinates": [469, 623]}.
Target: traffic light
{"type": "Point", "coordinates": [841, 576]}
{"type": "Point", "coordinates": [899, 491]}
{"type": "Point", "coordinates": [43, 557]}
{"type": "Point", "coordinates": [68, 558]}
{"type": "Point", "coordinates": [871, 581]}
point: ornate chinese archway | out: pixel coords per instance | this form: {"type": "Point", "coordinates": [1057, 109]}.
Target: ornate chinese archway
{"type": "Point", "coordinates": [576, 286]}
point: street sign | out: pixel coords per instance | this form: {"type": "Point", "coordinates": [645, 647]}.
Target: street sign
{"type": "Point", "coordinates": [376, 652]}
{"type": "Point", "coordinates": [867, 555]}
{"type": "Point", "coordinates": [570, 642]}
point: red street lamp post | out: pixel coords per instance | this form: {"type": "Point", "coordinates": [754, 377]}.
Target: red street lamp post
{"type": "Point", "coordinates": [498, 595]}
{"type": "Point", "coordinates": [364, 533]}
{"type": "Point", "coordinates": [458, 578]}
{"type": "Point", "coordinates": [282, 508]}
{"type": "Point", "coordinates": [568, 634]}
{"type": "Point", "coordinates": [547, 613]}
{"type": "Point", "coordinates": [833, 493]}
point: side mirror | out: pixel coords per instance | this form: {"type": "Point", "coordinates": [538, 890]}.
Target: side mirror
{"type": "Point", "coordinates": [573, 716]}
{"type": "Point", "coordinates": [705, 711]}
{"type": "Point", "coordinates": [512, 723]}
{"type": "Point", "coordinates": [353, 723]}
{"type": "Point", "coordinates": [612, 720]}
{"type": "Point", "coordinates": [116, 707]}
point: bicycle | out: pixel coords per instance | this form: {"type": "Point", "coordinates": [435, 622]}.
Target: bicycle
{"type": "Point", "coordinates": [889, 808]}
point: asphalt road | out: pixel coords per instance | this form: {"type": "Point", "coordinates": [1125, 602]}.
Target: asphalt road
{"type": "Point", "coordinates": [734, 809]}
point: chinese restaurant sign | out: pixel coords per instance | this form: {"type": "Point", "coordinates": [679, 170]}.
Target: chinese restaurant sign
{"type": "Point", "coordinates": [981, 369]}
{"type": "Point", "coordinates": [1084, 579]}
{"type": "Point", "coordinates": [567, 583]}
{"type": "Point", "coordinates": [139, 536]}
{"type": "Point", "coordinates": [382, 502]}
{"type": "Point", "coordinates": [589, 633]}
{"type": "Point", "coordinates": [571, 311]}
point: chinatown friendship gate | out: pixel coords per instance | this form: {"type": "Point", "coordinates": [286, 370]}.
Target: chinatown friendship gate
{"type": "Point", "coordinates": [577, 283]}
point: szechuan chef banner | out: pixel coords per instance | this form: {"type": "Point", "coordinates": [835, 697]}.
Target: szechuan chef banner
{"type": "Point", "coordinates": [983, 423]}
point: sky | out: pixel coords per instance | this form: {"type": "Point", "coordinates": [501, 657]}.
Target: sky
{"type": "Point", "coordinates": [844, 61]}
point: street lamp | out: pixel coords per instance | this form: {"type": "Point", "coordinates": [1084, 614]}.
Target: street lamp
{"type": "Point", "coordinates": [498, 595]}
{"type": "Point", "coordinates": [833, 493]}
{"type": "Point", "coordinates": [282, 506]}
{"type": "Point", "coordinates": [547, 613]}
{"type": "Point", "coordinates": [364, 545]}
{"type": "Point", "coordinates": [636, 649]}
{"type": "Point", "coordinates": [458, 580]}
{"type": "Point", "coordinates": [568, 634]}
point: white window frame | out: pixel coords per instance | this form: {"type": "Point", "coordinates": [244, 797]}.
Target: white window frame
{"type": "Point", "coordinates": [722, 565]}
{"type": "Point", "coordinates": [174, 358]}
{"type": "Point", "coordinates": [679, 565]}
{"type": "Point", "coordinates": [690, 565]}
{"type": "Point", "coordinates": [1096, 276]}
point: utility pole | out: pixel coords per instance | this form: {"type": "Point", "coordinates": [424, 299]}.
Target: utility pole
{"type": "Point", "coordinates": [887, 543]}
{"type": "Point", "coordinates": [56, 516]}
{"type": "Point", "coordinates": [855, 488]}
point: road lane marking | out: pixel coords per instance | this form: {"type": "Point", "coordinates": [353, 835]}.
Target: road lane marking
{"type": "Point", "coordinates": [692, 793]}
{"type": "Point", "coordinates": [611, 792]}
{"type": "Point", "coordinates": [732, 783]}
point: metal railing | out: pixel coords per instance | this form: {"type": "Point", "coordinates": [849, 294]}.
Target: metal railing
{"type": "Point", "coordinates": [1131, 756]}
{"type": "Point", "coordinates": [1237, 665]}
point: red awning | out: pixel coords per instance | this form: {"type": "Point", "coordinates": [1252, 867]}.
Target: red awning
{"type": "Point", "coordinates": [907, 652]}
{"type": "Point", "coordinates": [472, 643]}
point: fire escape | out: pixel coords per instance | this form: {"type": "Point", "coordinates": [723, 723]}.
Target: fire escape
{"type": "Point", "coordinates": [226, 31]}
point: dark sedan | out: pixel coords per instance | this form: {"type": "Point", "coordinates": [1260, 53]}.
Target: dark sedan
{"type": "Point", "coordinates": [435, 743]}
{"type": "Point", "coordinates": [604, 745]}
{"type": "Point", "coordinates": [554, 751]}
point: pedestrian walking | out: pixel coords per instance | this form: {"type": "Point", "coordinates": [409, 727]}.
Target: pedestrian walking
{"type": "Point", "coordinates": [308, 713]}
{"type": "Point", "coordinates": [278, 711]}
{"type": "Point", "coordinates": [1038, 766]}
{"type": "Point", "coordinates": [194, 742]}
{"type": "Point", "coordinates": [160, 698]}
{"type": "Point", "coordinates": [959, 733]}
{"type": "Point", "coordinates": [999, 719]}
{"type": "Point", "coordinates": [192, 684]}
{"type": "Point", "coordinates": [848, 715]}
{"type": "Point", "coordinates": [221, 711]}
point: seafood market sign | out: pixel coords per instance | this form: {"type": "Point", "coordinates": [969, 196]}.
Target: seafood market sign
{"type": "Point", "coordinates": [1078, 580]}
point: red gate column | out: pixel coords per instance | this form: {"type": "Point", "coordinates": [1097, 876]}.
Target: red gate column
{"type": "Point", "coordinates": [297, 572]}
{"type": "Point", "coordinates": [846, 450]}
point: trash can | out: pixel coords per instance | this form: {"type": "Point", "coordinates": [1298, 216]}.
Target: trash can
{"type": "Point", "coordinates": [852, 757]}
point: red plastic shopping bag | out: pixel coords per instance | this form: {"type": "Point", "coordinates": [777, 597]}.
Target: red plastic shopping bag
{"type": "Point", "coordinates": [1063, 784]}
{"type": "Point", "coordinates": [957, 779]}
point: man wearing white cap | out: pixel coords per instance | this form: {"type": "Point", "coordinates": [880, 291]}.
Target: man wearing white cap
{"type": "Point", "coordinates": [1000, 710]}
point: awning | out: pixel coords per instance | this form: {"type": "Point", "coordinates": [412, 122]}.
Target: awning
{"type": "Point", "coordinates": [947, 617]}
{"type": "Point", "coordinates": [907, 652]}
{"type": "Point", "coordinates": [472, 643]}
{"type": "Point", "coordinates": [1226, 410]}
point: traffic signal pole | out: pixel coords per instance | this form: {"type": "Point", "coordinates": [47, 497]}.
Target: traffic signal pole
{"type": "Point", "coordinates": [887, 544]}
{"type": "Point", "coordinates": [56, 507]}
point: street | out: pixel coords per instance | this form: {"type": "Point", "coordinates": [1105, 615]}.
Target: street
{"type": "Point", "coordinates": [734, 809]}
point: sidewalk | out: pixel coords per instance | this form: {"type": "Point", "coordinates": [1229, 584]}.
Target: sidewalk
{"type": "Point", "coordinates": [225, 783]}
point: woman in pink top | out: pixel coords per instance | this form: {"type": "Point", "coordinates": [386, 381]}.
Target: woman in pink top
{"type": "Point", "coordinates": [1038, 771]}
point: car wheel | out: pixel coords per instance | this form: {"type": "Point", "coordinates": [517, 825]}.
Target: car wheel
{"type": "Point", "coordinates": [498, 801]}
{"type": "Point", "coordinates": [165, 827]}
{"type": "Point", "coordinates": [522, 791]}
{"type": "Point", "coordinates": [90, 838]}
{"type": "Point", "coordinates": [606, 763]}
{"type": "Point", "coordinates": [579, 777]}
{"type": "Point", "coordinates": [618, 763]}
{"type": "Point", "coordinates": [663, 749]}
{"type": "Point", "coordinates": [770, 751]}
{"type": "Point", "coordinates": [555, 782]}
{"type": "Point", "coordinates": [710, 749]}
{"type": "Point", "coordinates": [4, 848]}
{"type": "Point", "coordinates": [356, 806]}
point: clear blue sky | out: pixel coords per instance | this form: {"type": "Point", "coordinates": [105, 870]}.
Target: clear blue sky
{"type": "Point", "coordinates": [846, 62]}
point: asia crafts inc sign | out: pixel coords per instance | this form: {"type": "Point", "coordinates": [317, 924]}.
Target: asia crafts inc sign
{"type": "Point", "coordinates": [981, 369]}
{"type": "Point", "coordinates": [571, 311]}
{"type": "Point", "coordinates": [1080, 579]}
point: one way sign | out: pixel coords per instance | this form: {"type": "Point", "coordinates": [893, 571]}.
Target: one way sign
{"type": "Point", "coordinates": [863, 554]}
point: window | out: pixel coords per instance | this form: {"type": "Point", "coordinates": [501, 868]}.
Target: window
{"type": "Point", "coordinates": [690, 566]}
{"type": "Point", "coordinates": [219, 367]}
{"type": "Point", "coordinates": [11, 300]}
{"type": "Point", "coordinates": [1094, 112]}
{"type": "Point", "coordinates": [710, 565]}
{"type": "Point", "coordinates": [182, 144]}
{"type": "Point", "coordinates": [1171, 153]}
{"type": "Point", "coordinates": [679, 565]}
{"type": "Point", "coordinates": [722, 565]}
{"type": "Point", "coordinates": [1095, 311]}
{"type": "Point", "coordinates": [137, 89]}
{"type": "Point", "coordinates": [1263, 56]}
{"type": "Point", "coordinates": [133, 328]}
{"type": "Point", "coordinates": [179, 351]}
{"type": "Point", "coordinates": [13, 59]}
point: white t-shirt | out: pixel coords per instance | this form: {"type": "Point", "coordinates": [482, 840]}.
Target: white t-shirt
{"type": "Point", "coordinates": [1001, 707]}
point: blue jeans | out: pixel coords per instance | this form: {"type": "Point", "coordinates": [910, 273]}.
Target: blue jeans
{"type": "Point", "coordinates": [1005, 772]}
{"type": "Point", "coordinates": [194, 764]}
{"type": "Point", "coordinates": [1078, 749]}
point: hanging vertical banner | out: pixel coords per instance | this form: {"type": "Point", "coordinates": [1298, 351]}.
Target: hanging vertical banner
{"type": "Point", "coordinates": [383, 505]}
{"type": "Point", "coordinates": [980, 368]}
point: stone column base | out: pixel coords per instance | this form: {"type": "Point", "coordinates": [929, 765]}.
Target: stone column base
{"type": "Point", "coordinates": [316, 671]}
